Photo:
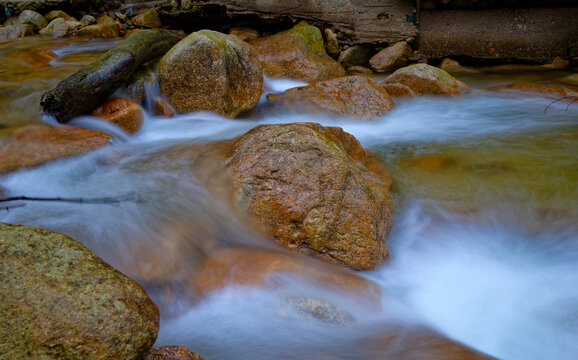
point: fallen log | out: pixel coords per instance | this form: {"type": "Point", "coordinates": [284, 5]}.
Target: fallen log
{"type": "Point", "coordinates": [87, 88]}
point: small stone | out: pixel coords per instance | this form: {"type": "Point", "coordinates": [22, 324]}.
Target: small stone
{"type": "Point", "coordinates": [57, 28]}
{"type": "Point", "coordinates": [391, 58]}
{"type": "Point", "coordinates": [172, 353]}
{"type": "Point", "coordinates": [105, 19]}
{"type": "Point", "coordinates": [16, 31]}
{"type": "Point", "coordinates": [87, 20]}
{"type": "Point", "coordinates": [331, 43]}
{"type": "Point", "coordinates": [360, 70]}
{"type": "Point", "coordinates": [124, 113]}
{"type": "Point", "coordinates": [74, 25]}
{"type": "Point", "coordinates": [32, 18]}
{"type": "Point", "coordinates": [55, 14]}
{"type": "Point", "coordinates": [106, 30]}
{"type": "Point", "coordinates": [454, 67]}
{"type": "Point", "coordinates": [356, 55]}
{"type": "Point", "coordinates": [148, 19]}
{"type": "Point", "coordinates": [244, 33]}
{"type": "Point", "coordinates": [162, 108]}
{"type": "Point", "coordinates": [186, 4]}
{"type": "Point", "coordinates": [425, 79]}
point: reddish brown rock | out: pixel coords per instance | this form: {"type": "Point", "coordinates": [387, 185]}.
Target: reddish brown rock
{"type": "Point", "coordinates": [424, 79]}
{"type": "Point", "coordinates": [397, 89]}
{"type": "Point", "coordinates": [254, 267]}
{"type": "Point", "coordinates": [211, 71]}
{"type": "Point", "coordinates": [33, 145]}
{"type": "Point", "coordinates": [454, 67]}
{"type": "Point", "coordinates": [350, 96]}
{"type": "Point", "coordinates": [162, 108]}
{"type": "Point", "coordinates": [549, 91]}
{"type": "Point", "coordinates": [124, 113]}
{"type": "Point", "coordinates": [314, 189]}
{"type": "Point", "coordinates": [172, 353]}
{"type": "Point", "coordinates": [297, 54]}
{"type": "Point", "coordinates": [103, 30]}
{"type": "Point", "coordinates": [391, 58]}
{"type": "Point", "coordinates": [411, 342]}
{"type": "Point", "coordinates": [245, 34]}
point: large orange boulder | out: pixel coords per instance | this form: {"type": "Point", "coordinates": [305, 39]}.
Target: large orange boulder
{"type": "Point", "coordinates": [314, 189]}
{"type": "Point", "coordinates": [32, 145]}
{"type": "Point", "coordinates": [124, 113]}
{"type": "Point", "coordinates": [211, 71]}
{"type": "Point", "coordinates": [297, 54]}
{"type": "Point", "coordinates": [350, 96]}
{"type": "Point", "coordinates": [423, 79]}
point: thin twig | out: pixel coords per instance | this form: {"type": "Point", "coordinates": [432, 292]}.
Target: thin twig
{"type": "Point", "coordinates": [574, 99]}
{"type": "Point", "coordinates": [102, 200]}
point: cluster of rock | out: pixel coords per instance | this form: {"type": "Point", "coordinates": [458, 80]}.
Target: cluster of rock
{"type": "Point", "coordinates": [311, 189]}
{"type": "Point", "coordinates": [59, 24]}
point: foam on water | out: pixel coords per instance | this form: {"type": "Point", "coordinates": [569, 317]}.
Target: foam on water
{"type": "Point", "coordinates": [505, 288]}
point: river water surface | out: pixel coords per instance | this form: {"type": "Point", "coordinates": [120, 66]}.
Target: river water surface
{"type": "Point", "coordinates": [484, 246]}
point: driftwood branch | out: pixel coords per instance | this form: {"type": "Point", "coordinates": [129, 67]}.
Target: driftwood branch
{"type": "Point", "coordinates": [87, 88]}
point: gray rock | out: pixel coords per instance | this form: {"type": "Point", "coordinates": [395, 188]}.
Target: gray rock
{"type": "Point", "coordinates": [57, 28]}
{"type": "Point", "coordinates": [88, 20]}
{"type": "Point", "coordinates": [32, 18]}
{"type": "Point", "coordinates": [60, 301]}
{"type": "Point", "coordinates": [16, 31]}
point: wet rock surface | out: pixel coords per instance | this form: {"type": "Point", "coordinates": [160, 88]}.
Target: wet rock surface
{"type": "Point", "coordinates": [314, 189]}
{"type": "Point", "coordinates": [298, 53]}
{"type": "Point", "coordinates": [32, 145]}
{"type": "Point", "coordinates": [425, 79]}
{"type": "Point", "coordinates": [61, 301]}
{"type": "Point", "coordinates": [211, 71]}
{"type": "Point", "coordinates": [172, 353]}
{"type": "Point", "coordinates": [391, 58]}
{"type": "Point", "coordinates": [351, 96]}
{"type": "Point", "coordinates": [124, 113]}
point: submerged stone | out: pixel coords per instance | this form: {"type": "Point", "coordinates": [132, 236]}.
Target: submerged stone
{"type": "Point", "coordinates": [60, 301]}
{"type": "Point", "coordinates": [172, 353]}
{"type": "Point", "coordinates": [32, 145]}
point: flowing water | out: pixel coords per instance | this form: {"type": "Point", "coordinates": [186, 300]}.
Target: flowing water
{"type": "Point", "coordinates": [483, 248]}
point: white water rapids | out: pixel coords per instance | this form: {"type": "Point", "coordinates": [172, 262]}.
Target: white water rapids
{"type": "Point", "coordinates": [475, 251]}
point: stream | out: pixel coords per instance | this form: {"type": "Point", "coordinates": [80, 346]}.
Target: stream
{"type": "Point", "coordinates": [483, 247]}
